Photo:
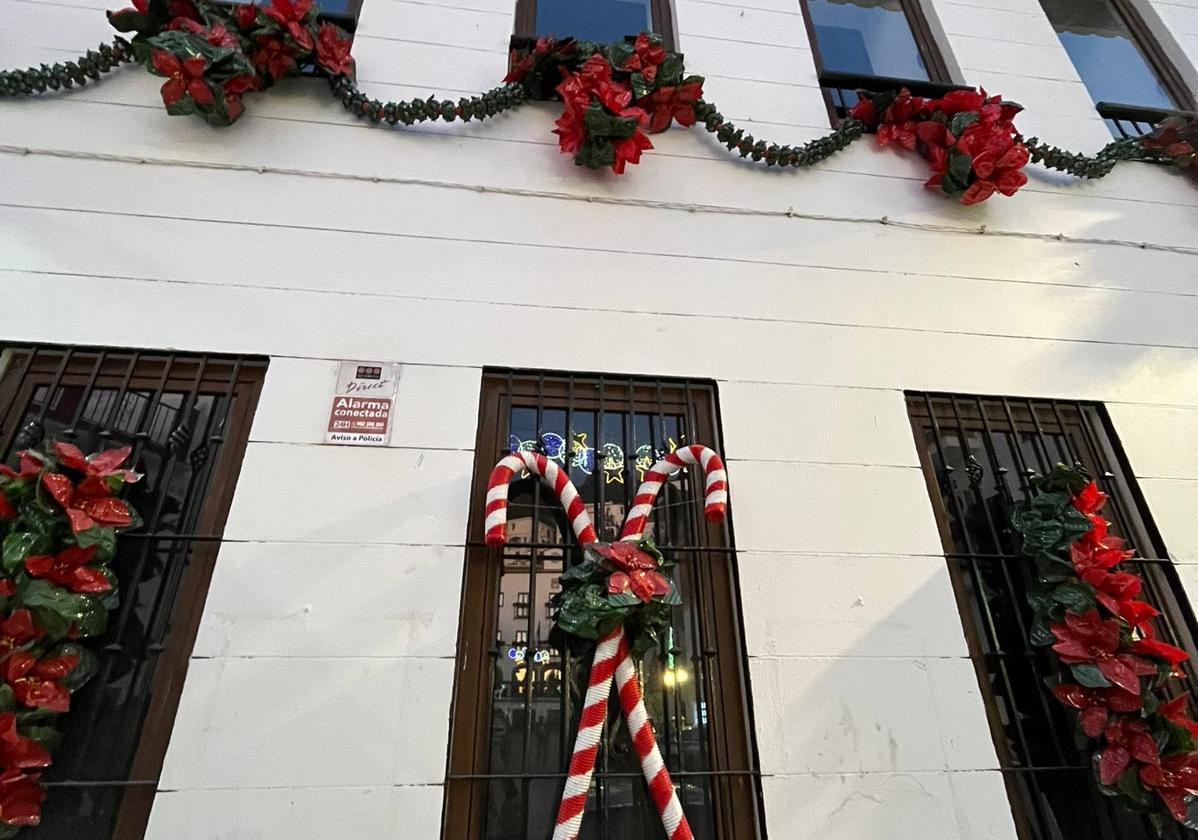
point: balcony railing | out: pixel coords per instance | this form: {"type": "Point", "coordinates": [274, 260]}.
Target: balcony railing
{"type": "Point", "coordinates": [840, 88]}
{"type": "Point", "coordinates": [1135, 120]}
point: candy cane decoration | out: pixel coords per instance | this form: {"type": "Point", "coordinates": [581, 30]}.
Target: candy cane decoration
{"type": "Point", "coordinates": [661, 786]}
{"type": "Point", "coordinates": [612, 656]}
{"type": "Point", "coordinates": [556, 477]}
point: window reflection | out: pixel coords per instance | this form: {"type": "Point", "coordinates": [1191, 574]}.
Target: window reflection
{"type": "Point", "coordinates": [1105, 53]}
{"type": "Point", "coordinates": [593, 20]}
{"type": "Point", "coordinates": [866, 37]}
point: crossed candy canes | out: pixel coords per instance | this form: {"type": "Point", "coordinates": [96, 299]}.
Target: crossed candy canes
{"type": "Point", "coordinates": [612, 657]}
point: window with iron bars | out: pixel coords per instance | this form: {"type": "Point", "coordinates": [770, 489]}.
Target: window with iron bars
{"type": "Point", "coordinates": [187, 418]}
{"type": "Point", "coordinates": [514, 715]}
{"type": "Point", "coordinates": [978, 455]}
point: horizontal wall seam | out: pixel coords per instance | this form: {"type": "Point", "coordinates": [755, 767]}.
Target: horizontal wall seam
{"type": "Point", "coordinates": [686, 207]}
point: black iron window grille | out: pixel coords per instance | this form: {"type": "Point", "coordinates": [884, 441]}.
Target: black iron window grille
{"type": "Point", "coordinates": [516, 706]}
{"type": "Point", "coordinates": [978, 455]}
{"type": "Point", "coordinates": [1135, 121]}
{"type": "Point", "coordinates": [187, 418]}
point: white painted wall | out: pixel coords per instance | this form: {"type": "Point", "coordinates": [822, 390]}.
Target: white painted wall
{"type": "Point", "coordinates": [444, 247]}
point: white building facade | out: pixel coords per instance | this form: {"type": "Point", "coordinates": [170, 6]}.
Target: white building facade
{"type": "Point", "coordinates": [811, 322]}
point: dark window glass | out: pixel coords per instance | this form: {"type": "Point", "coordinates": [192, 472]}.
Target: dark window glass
{"type": "Point", "coordinates": [602, 21]}
{"type": "Point", "coordinates": [866, 37]}
{"type": "Point", "coordinates": [1106, 53]}
{"type": "Point", "coordinates": [187, 418]}
{"type": "Point", "coordinates": [978, 454]}
{"type": "Point", "coordinates": [529, 698]}
{"type": "Point", "coordinates": [593, 20]}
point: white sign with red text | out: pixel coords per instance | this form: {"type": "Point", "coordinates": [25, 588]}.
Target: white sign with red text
{"type": "Point", "coordinates": [363, 403]}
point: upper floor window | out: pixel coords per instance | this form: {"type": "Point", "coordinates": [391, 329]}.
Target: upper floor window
{"type": "Point", "coordinates": [187, 418]}
{"type": "Point", "coordinates": [514, 715]}
{"type": "Point", "coordinates": [602, 21]}
{"type": "Point", "coordinates": [872, 45]}
{"type": "Point", "coordinates": [978, 456]}
{"type": "Point", "coordinates": [1119, 61]}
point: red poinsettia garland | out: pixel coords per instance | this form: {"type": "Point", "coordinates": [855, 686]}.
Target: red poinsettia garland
{"type": "Point", "coordinates": [968, 138]}
{"type": "Point", "coordinates": [1119, 675]}
{"type": "Point", "coordinates": [613, 97]}
{"type": "Point", "coordinates": [59, 514]}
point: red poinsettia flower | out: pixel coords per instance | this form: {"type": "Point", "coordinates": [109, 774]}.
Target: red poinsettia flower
{"type": "Point", "coordinates": [1177, 711]}
{"type": "Point", "coordinates": [570, 130]}
{"type": "Point", "coordinates": [233, 90]}
{"type": "Point", "coordinates": [184, 78]}
{"type": "Point", "coordinates": [1090, 499]}
{"type": "Point", "coordinates": [217, 34]}
{"type": "Point", "coordinates": [628, 150]}
{"type": "Point", "coordinates": [520, 66]}
{"type": "Point", "coordinates": [36, 683]}
{"type": "Point", "coordinates": [274, 56]}
{"type": "Point", "coordinates": [332, 50]}
{"type": "Point", "coordinates": [1096, 704]}
{"type": "Point", "coordinates": [626, 555]}
{"type": "Point", "coordinates": [1126, 738]}
{"type": "Point", "coordinates": [998, 162]}
{"type": "Point", "coordinates": [290, 15]}
{"type": "Point", "coordinates": [20, 798]}
{"type": "Point", "coordinates": [27, 467]}
{"type": "Point", "coordinates": [672, 103]}
{"type": "Point", "coordinates": [17, 750]}
{"type": "Point", "coordinates": [646, 56]}
{"type": "Point", "coordinates": [16, 631]}
{"type": "Point", "coordinates": [1175, 781]}
{"type": "Point", "coordinates": [89, 504]}
{"type": "Point", "coordinates": [7, 511]}
{"type": "Point", "coordinates": [1151, 647]}
{"type": "Point", "coordinates": [957, 101]}
{"type": "Point", "coordinates": [69, 569]}
{"type": "Point", "coordinates": [640, 582]}
{"type": "Point", "coordinates": [8, 587]}
{"type": "Point", "coordinates": [101, 465]}
{"type": "Point", "coordinates": [1089, 640]}
{"type": "Point", "coordinates": [246, 15]}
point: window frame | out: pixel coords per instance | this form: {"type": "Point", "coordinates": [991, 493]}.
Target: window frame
{"type": "Point", "coordinates": [737, 802]}
{"type": "Point", "coordinates": [56, 366]}
{"type": "Point", "coordinates": [1104, 457]}
{"type": "Point", "coordinates": [939, 79]}
{"type": "Point", "coordinates": [661, 16]}
{"type": "Point", "coordinates": [1167, 73]}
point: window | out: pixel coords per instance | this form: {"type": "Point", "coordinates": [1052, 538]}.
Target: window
{"type": "Point", "coordinates": [521, 605]}
{"type": "Point", "coordinates": [187, 417]}
{"type": "Point", "coordinates": [522, 637]}
{"type": "Point", "coordinates": [603, 21]}
{"type": "Point", "coordinates": [872, 45]}
{"type": "Point", "coordinates": [344, 13]}
{"type": "Point", "coordinates": [1122, 65]}
{"type": "Point", "coordinates": [513, 722]}
{"type": "Point", "coordinates": [978, 454]}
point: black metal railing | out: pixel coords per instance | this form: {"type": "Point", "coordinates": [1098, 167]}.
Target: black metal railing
{"type": "Point", "coordinates": [1136, 120]}
{"type": "Point", "coordinates": [186, 417]}
{"type": "Point", "coordinates": [841, 89]}
{"type": "Point", "coordinates": [980, 455]}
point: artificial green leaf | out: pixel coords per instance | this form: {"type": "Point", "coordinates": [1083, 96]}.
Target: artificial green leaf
{"type": "Point", "coordinates": [619, 53]}
{"type": "Point", "coordinates": [623, 599]}
{"type": "Point", "coordinates": [47, 736]}
{"type": "Point", "coordinates": [17, 547]}
{"type": "Point", "coordinates": [673, 597]}
{"type": "Point", "coordinates": [1180, 739]}
{"type": "Point", "coordinates": [88, 665]}
{"type": "Point", "coordinates": [640, 86]}
{"type": "Point", "coordinates": [961, 121]}
{"type": "Point", "coordinates": [1040, 634]}
{"type": "Point", "coordinates": [104, 539]}
{"type": "Point", "coordinates": [1129, 785]}
{"type": "Point", "coordinates": [669, 72]}
{"type": "Point", "coordinates": [1089, 676]}
{"type": "Point", "coordinates": [8, 700]}
{"type": "Point", "coordinates": [1076, 596]}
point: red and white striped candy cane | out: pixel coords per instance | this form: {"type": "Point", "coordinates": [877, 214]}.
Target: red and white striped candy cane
{"type": "Point", "coordinates": [610, 650]}
{"type": "Point", "coordinates": [661, 786]}
{"type": "Point", "coordinates": [556, 477]}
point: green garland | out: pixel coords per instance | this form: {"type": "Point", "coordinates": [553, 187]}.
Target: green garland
{"type": "Point", "coordinates": [213, 54]}
{"type": "Point", "coordinates": [91, 66]}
